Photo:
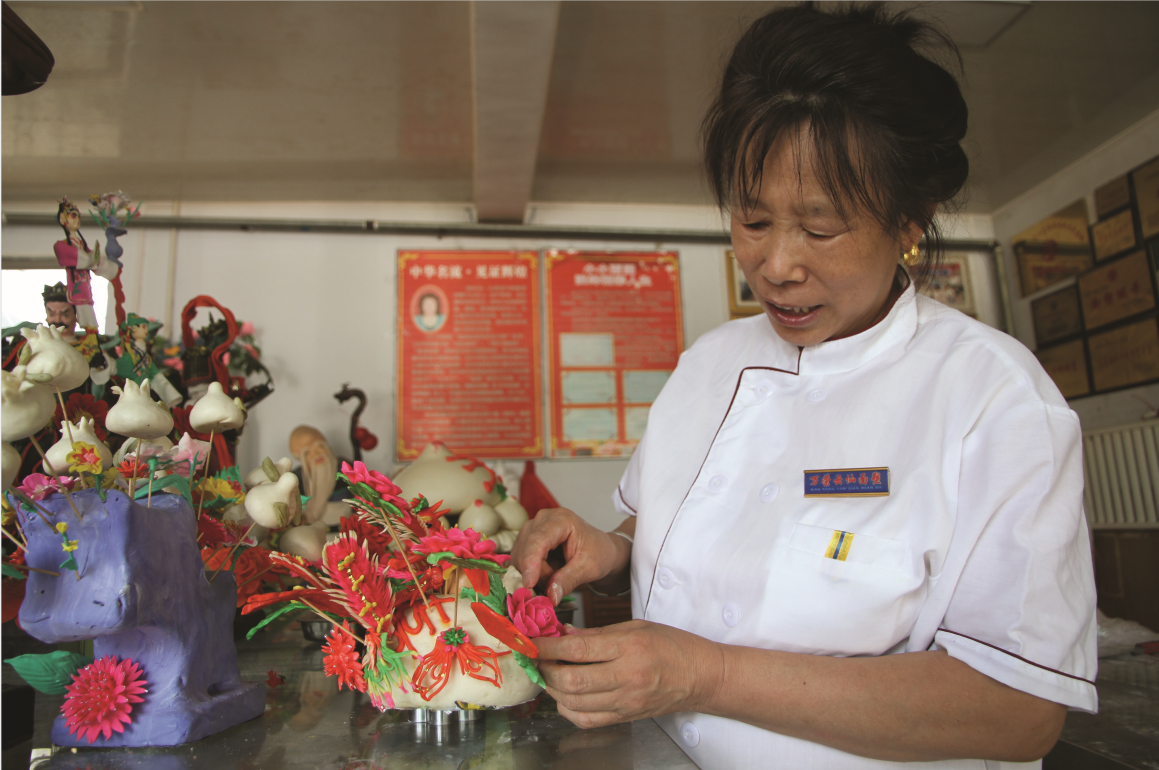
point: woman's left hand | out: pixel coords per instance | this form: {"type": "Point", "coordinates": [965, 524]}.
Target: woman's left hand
{"type": "Point", "coordinates": [634, 670]}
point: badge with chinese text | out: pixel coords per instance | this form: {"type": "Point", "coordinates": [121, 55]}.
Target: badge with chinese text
{"type": "Point", "coordinates": [847, 482]}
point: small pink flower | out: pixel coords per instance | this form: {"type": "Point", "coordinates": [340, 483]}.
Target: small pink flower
{"type": "Point", "coordinates": [38, 486]}
{"type": "Point", "coordinates": [225, 359]}
{"type": "Point", "coordinates": [245, 329]}
{"type": "Point", "coordinates": [533, 615]}
{"type": "Point", "coordinates": [465, 544]}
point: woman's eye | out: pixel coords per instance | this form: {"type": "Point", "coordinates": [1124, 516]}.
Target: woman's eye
{"type": "Point", "coordinates": [812, 234]}
{"type": "Point", "coordinates": [756, 225]}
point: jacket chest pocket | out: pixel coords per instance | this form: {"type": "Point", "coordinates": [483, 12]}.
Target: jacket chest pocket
{"type": "Point", "coordinates": [838, 592]}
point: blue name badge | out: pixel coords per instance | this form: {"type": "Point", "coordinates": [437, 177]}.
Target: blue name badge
{"type": "Point", "coordinates": [847, 482]}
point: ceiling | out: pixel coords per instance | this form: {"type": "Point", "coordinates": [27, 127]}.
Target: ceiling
{"type": "Point", "coordinates": [499, 103]}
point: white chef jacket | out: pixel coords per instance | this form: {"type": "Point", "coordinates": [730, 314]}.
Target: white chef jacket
{"type": "Point", "coordinates": [980, 549]}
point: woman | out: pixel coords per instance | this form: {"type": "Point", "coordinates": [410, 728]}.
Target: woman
{"type": "Point", "coordinates": [857, 518]}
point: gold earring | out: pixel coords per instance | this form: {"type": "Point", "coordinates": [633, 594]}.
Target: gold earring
{"type": "Point", "coordinates": [913, 256]}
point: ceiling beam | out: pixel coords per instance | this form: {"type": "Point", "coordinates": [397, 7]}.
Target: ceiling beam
{"type": "Point", "coordinates": [511, 58]}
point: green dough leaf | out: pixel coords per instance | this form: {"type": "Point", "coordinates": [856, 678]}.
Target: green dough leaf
{"type": "Point", "coordinates": [49, 673]}
{"type": "Point", "coordinates": [12, 572]}
{"type": "Point", "coordinates": [528, 665]}
{"type": "Point", "coordinates": [273, 616]}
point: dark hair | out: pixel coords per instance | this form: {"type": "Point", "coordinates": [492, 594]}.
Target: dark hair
{"type": "Point", "coordinates": [885, 121]}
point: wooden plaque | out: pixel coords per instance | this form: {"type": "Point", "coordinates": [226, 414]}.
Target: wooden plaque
{"type": "Point", "coordinates": [1147, 195]}
{"type": "Point", "coordinates": [1054, 249]}
{"type": "Point", "coordinates": [1128, 355]}
{"type": "Point", "coordinates": [1114, 235]}
{"type": "Point", "coordinates": [1112, 196]}
{"type": "Point", "coordinates": [1056, 316]}
{"type": "Point", "coordinates": [1116, 290]}
{"type": "Point", "coordinates": [1067, 366]}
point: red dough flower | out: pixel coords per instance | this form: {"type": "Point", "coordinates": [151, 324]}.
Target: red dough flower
{"type": "Point", "coordinates": [466, 544]}
{"type": "Point", "coordinates": [377, 541]}
{"type": "Point", "coordinates": [100, 698]}
{"type": "Point", "coordinates": [533, 615]}
{"type": "Point", "coordinates": [84, 405]}
{"type": "Point", "coordinates": [342, 661]}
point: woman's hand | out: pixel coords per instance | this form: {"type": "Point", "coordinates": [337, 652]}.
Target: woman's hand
{"type": "Point", "coordinates": [588, 553]}
{"type": "Point", "coordinates": [635, 670]}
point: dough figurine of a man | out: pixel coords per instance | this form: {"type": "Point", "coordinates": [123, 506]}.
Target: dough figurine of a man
{"type": "Point", "coordinates": [78, 260]}
{"type": "Point", "coordinates": [136, 360]}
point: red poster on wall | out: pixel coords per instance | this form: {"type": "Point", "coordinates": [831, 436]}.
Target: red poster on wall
{"type": "Point", "coordinates": [469, 370]}
{"type": "Point", "coordinates": [615, 333]}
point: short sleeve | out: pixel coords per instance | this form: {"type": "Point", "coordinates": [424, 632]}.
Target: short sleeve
{"type": "Point", "coordinates": [627, 495]}
{"type": "Point", "coordinates": [1023, 608]}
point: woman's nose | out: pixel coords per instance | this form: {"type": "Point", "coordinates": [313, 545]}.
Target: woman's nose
{"type": "Point", "coordinates": [781, 260]}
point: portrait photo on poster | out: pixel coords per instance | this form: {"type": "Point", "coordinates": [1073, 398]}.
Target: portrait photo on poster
{"type": "Point", "coordinates": [429, 308]}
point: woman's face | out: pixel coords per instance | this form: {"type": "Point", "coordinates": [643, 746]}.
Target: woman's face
{"type": "Point", "coordinates": [429, 305]}
{"type": "Point", "coordinates": [816, 275]}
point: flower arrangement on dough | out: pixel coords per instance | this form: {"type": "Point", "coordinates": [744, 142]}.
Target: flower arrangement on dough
{"type": "Point", "coordinates": [443, 619]}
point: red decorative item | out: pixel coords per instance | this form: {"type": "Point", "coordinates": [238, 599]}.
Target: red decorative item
{"type": "Point", "coordinates": [342, 661]}
{"type": "Point", "coordinates": [533, 495]}
{"type": "Point", "coordinates": [455, 645]}
{"type": "Point", "coordinates": [274, 679]}
{"type": "Point", "coordinates": [365, 439]}
{"type": "Point", "coordinates": [84, 405]}
{"type": "Point", "coordinates": [99, 701]}
{"type": "Point", "coordinates": [504, 630]}
{"type": "Point", "coordinates": [217, 364]}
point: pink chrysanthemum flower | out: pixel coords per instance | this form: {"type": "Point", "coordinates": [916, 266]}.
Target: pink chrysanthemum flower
{"type": "Point", "coordinates": [466, 544]}
{"type": "Point", "coordinates": [100, 699]}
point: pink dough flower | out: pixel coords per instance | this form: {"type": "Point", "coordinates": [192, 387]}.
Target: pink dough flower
{"type": "Point", "coordinates": [533, 615]}
{"type": "Point", "coordinates": [100, 698]}
{"type": "Point", "coordinates": [38, 486]}
{"type": "Point", "coordinates": [466, 544]}
{"type": "Point", "coordinates": [359, 473]}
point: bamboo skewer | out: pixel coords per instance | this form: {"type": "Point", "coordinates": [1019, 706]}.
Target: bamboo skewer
{"type": "Point", "coordinates": [406, 561]}
{"type": "Point", "coordinates": [208, 457]}
{"type": "Point", "coordinates": [12, 537]}
{"type": "Point", "coordinates": [229, 555]}
{"type": "Point", "coordinates": [36, 506]}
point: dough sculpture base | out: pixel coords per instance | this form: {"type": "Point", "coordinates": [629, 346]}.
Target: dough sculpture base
{"type": "Point", "coordinates": [142, 594]}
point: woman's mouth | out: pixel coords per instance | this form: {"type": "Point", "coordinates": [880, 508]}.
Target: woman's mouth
{"type": "Point", "coordinates": [792, 315]}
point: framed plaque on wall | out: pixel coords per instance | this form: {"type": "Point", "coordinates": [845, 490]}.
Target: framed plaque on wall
{"type": "Point", "coordinates": [1116, 290]}
{"type": "Point", "coordinates": [1125, 355]}
{"type": "Point", "coordinates": [1067, 366]}
{"type": "Point", "coordinates": [1057, 316]}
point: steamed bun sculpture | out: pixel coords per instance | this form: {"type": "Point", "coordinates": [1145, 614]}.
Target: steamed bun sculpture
{"type": "Point", "coordinates": [467, 487]}
{"type": "Point", "coordinates": [445, 623]}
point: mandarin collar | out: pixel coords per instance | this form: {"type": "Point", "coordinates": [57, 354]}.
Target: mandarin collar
{"type": "Point", "coordinates": [847, 354]}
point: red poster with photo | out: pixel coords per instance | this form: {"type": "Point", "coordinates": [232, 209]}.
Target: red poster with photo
{"type": "Point", "coordinates": [615, 332]}
{"type": "Point", "coordinates": [469, 371]}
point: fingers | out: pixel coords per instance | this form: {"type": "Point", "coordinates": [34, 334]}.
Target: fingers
{"type": "Point", "coordinates": [539, 536]}
{"type": "Point", "coordinates": [587, 720]}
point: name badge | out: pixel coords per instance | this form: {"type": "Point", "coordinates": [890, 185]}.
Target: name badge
{"type": "Point", "coordinates": [847, 482]}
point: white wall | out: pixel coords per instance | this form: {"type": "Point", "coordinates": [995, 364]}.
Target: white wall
{"type": "Point", "coordinates": [1136, 145]}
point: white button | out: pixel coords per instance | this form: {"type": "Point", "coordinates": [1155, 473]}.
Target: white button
{"type": "Point", "coordinates": [716, 483]}
{"type": "Point", "coordinates": [768, 492]}
{"type": "Point", "coordinates": [764, 389]}
{"type": "Point", "coordinates": [730, 615]}
{"type": "Point", "coordinates": [666, 578]}
{"type": "Point", "coordinates": [689, 734]}
{"type": "Point", "coordinates": [816, 395]}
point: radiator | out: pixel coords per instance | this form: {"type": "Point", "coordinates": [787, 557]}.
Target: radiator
{"type": "Point", "coordinates": [1121, 468]}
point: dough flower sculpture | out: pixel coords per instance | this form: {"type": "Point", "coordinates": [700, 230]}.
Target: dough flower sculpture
{"type": "Point", "coordinates": [444, 620]}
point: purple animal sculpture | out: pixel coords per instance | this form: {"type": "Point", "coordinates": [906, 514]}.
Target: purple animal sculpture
{"type": "Point", "coordinates": [143, 594]}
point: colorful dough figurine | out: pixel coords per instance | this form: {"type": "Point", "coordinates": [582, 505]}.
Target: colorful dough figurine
{"type": "Point", "coordinates": [75, 256]}
{"type": "Point", "coordinates": [136, 361]}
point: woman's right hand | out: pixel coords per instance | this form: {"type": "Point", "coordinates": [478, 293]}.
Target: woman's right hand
{"type": "Point", "coordinates": [589, 554]}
